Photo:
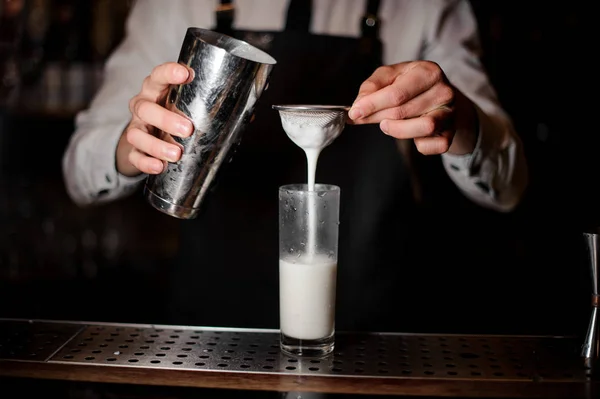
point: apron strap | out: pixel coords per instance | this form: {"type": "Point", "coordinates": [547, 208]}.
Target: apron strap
{"type": "Point", "coordinates": [373, 7]}
{"type": "Point", "coordinates": [370, 21]}
{"type": "Point", "coordinates": [225, 13]}
{"type": "Point", "coordinates": [299, 15]}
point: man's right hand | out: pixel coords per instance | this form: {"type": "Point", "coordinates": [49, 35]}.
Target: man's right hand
{"type": "Point", "coordinates": [139, 150]}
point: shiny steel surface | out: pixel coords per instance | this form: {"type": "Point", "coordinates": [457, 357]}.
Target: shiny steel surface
{"type": "Point", "coordinates": [591, 346]}
{"type": "Point", "coordinates": [229, 78]}
{"type": "Point", "coordinates": [314, 108]}
{"type": "Point", "coordinates": [369, 355]}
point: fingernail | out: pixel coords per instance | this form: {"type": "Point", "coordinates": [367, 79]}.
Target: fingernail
{"type": "Point", "coordinates": [157, 167]}
{"type": "Point", "coordinates": [182, 73]}
{"type": "Point", "coordinates": [172, 154]}
{"type": "Point", "coordinates": [384, 126]}
{"type": "Point", "coordinates": [185, 128]}
{"type": "Point", "coordinates": [355, 113]}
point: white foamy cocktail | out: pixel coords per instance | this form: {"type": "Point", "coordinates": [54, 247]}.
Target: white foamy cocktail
{"type": "Point", "coordinates": [307, 297]}
{"type": "Point", "coordinates": [308, 247]}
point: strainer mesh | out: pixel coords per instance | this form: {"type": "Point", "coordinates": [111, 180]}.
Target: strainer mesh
{"type": "Point", "coordinates": [312, 118]}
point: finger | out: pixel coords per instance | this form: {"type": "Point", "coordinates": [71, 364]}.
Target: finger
{"type": "Point", "coordinates": [382, 77]}
{"type": "Point", "coordinates": [162, 76]}
{"type": "Point", "coordinates": [426, 125]}
{"type": "Point", "coordinates": [155, 115]}
{"type": "Point", "coordinates": [145, 163]}
{"type": "Point", "coordinates": [435, 145]}
{"type": "Point", "coordinates": [153, 146]}
{"type": "Point", "coordinates": [385, 76]}
{"type": "Point", "coordinates": [406, 86]}
{"type": "Point", "coordinates": [438, 96]}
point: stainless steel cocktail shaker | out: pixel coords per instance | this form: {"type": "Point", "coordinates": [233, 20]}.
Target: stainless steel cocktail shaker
{"type": "Point", "coordinates": [229, 78]}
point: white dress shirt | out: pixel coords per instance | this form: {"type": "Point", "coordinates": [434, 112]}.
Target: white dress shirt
{"type": "Point", "coordinates": [443, 31]}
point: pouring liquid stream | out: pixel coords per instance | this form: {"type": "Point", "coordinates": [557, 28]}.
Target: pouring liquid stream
{"type": "Point", "coordinates": [312, 158]}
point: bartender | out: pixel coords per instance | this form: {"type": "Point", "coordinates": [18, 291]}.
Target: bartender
{"type": "Point", "coordinates": [427, 140]}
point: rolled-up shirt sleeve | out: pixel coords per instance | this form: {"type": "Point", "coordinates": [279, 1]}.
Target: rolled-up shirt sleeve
{"type": "Point", "coordinates": [89, 168]}
{"type": "Point", "coordinates": [89, 165]}
{"type": "Point", "coordinates": [495, 174]}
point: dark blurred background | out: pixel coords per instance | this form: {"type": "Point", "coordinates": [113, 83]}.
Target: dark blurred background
{"type": "Point", "coordinates": [107, 263]}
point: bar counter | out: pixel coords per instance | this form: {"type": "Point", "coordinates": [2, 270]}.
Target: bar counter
{"type": "Point", "coordinates": [433, 365]}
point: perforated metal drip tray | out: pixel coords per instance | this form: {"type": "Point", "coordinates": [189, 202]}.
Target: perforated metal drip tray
{"type": "Point", "coordinates": [367, 356]}
{"type": "Point", "coordinates": [376, 354]}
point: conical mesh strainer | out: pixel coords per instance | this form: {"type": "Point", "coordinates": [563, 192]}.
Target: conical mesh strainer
{"type": "Point", "coordinates": [313, 126]}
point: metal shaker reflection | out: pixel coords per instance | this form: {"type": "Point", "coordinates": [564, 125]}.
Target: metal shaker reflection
{"type": "Point", "coordinates": [590, 347]}
{"type": "Point", "coordinates": [229, 78]}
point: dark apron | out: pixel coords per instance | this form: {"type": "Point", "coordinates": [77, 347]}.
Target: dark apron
{"type": "Point", "coordinates": [226, 273]}
{"type": "Point", "coordinates": [400, 265]}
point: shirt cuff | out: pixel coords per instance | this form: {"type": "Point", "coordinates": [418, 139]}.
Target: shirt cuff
{"type": "Point", "coordinates": [463, 163]}
{"type": "Point", "coordinates": [109, 183]}
{"type": "Point", "coordinates": [471, 167]}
